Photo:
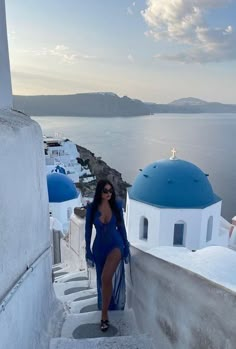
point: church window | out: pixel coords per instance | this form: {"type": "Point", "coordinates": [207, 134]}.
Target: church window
{"type": "Point", "coordinates": [69, 212]}
{"type": "Point", "coordinates": [143, 235]}
{"type": "Point", "coordinates": [209, 229]}
{"type": "Point", "coordinates": [179, 234]}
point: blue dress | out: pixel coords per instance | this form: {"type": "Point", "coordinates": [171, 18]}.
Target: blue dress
{"type": "Point", "coordinates": [108, 236]}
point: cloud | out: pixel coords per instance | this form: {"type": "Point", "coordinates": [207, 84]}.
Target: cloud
{"type": "Point", "coordinates": [130, 9]}
{"type": "Point", "coordinates": [62, 52]}
{"type": "Point", "coordinates": [184, 23]}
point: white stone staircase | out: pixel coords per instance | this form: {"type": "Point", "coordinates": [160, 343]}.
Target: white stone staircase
{"type": "Point", "coordinates": [124, 342]}
{"type": "Point", "coordinates": [80, 329]}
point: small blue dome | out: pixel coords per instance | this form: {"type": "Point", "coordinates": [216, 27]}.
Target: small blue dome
{"type": "Point", "coordinates": [59, 169]}
{"type": "Point", "coordinates": [173, 184]}
{"type": "Point", "coordinates": [60, 188]}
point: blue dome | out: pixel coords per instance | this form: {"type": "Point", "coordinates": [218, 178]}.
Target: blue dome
{"type": "Point", "coordinates": [60, 188]}
{"type": "Point", "coordinates": [59, 169]}
{"type": "Point", "coordinates": [173, 184]}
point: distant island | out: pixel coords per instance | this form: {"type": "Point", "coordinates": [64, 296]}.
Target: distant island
{"type": "Point", "coordinates": [109, 104]}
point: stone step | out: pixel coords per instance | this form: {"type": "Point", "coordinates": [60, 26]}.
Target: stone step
{"type": "Point", "coordinates": [77, 297]}
{"type": "Point", "coordinates": [125, 342]}
{"type": "Point", "coordinates": [84, 305]}
{"type": "Point", "coordinates": [86, 325]}
{"type": "Point", "coordinates": [69, 276]}
{"type": "Point", "coordinates": [58, 266]}
{"type": "Point", "coordinates": [67, 288]}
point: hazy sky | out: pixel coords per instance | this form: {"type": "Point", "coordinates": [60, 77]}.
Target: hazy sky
{"type": "Point", "coordinates": [154, 50]}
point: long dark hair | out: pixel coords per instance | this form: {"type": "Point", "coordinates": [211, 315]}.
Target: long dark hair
{"type": "Point", "coordinates": [98, 199]}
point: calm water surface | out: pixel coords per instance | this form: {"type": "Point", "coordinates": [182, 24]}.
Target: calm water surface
{"type": "Point", "coordinates": [128, 144]}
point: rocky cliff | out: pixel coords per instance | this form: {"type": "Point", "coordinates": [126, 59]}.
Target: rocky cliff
{"type": "Point", "coordinates": [101, 170]}
{"type": "Point", "coordinates": [81, 104]}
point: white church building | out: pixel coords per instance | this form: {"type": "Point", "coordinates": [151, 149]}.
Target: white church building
{"type": "Point", "coordinates": [63, 198]}
{"type": "Point", "coordinates": [172, 203]}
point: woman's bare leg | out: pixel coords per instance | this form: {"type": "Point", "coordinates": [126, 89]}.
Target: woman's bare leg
{"type": "Point", "coordinates": [109, 269]}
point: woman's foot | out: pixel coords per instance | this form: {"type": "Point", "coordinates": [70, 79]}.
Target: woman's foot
{"type": "Point", "coordinates": [104, 325]}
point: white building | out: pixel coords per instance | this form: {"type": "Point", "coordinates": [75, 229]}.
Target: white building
{"type": "Point", "coordinates": [62, 156]}
{"type": "Point", "coordinates": [63, 198]}
{"type": "Point", "coordinates": [171, 203]}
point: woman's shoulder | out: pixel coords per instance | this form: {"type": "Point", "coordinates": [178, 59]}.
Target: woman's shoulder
{"type": "Point", "coordinates": [89, 205]}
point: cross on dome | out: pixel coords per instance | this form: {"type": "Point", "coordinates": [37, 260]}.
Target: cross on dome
{"type": "Point", "coordinates": [173, 157]}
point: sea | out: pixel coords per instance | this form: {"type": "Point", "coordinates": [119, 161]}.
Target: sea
{"type": "Point", "coordinates": [131, 143]}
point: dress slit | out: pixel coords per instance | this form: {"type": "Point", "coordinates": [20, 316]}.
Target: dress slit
{"type": "Point", "coordinates": [118, 288]}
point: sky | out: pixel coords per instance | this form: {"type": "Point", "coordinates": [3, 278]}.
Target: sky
{"type": "Point", "coordinates": [153, 50]}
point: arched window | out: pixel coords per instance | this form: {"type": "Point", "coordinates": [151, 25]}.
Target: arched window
{"type": "Point", "coordinates": [69, 212]}
{"type": "Point", "coordinates": [179, 231]}
{"type": "Point", "coordinates": [209, 229]}
{"type": "Point", "coordinates": [143, 232]}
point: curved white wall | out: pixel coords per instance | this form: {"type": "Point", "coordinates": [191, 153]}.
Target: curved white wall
{"type": "Point", "coordinates": [24, 232]}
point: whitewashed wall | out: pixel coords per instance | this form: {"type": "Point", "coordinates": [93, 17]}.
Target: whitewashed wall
{"type": "Point", "coordinates": [60, 209]}
{"type": "Point", "coordinates": [192, 220]}
{"type": "Point", "coordinates": [134, 211]}
{"type": "Point", "coordinates": [77, 239]}
{"type": "Point", "coordinates": [180, 309]}
{"type": "Point", "coordinates": [24, 233]}
{"type": "Point", "coordinates": [161, 224]}
{"type": "Point", "coordinates": [218, 237]}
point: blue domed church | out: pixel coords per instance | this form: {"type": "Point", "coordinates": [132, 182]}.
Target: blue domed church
{"type": "Point", "coordinates": [172, 203]}
{"type": "Point", "coordinates": [63, 197]}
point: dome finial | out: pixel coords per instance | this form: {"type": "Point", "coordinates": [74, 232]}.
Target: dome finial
{"type": "Point", "coordinates": [173, 157]}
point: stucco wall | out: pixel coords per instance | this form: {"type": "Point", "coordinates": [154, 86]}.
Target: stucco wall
{"type": "Point", "coordinates": [60, 209]}
{"type": "Point", "coordinates": [24, 323]}
{"type": "Point", "coordinates": [179, 309]}
{"type": "Point", "coordinates": [76, 239]}
{"type": "Point", "coordinates": [24, 231]}
{"type": "Point", "coordinates": [161, 223]}
{"type": "Point", "coordinates": [192, 221]}
{"type": "Point", "coordinates": [134, 211]}
{"type": "Point", "coordinates": [217, 239]}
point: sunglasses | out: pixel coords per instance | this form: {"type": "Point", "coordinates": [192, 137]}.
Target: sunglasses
{"type": "Point", "coordinates": [106, 191]}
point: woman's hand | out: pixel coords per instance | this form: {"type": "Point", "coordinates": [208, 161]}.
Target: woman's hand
{"type": "Point", "coordinates": [90, 259]}
{"type": "Point", "coordinates": [126, 252]}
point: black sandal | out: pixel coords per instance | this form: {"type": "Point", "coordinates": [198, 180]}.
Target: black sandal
{"type": "Point", "coordinates": [104, 325]}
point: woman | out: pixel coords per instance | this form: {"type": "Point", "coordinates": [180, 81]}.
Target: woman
{"type": "Point", "coordinates": [110, 249]}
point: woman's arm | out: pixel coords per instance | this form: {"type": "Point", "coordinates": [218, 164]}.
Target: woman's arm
{"type": "Point", "coordinates": [122, 230]}
{"type": "Point", "coordinates": [88, 234]}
